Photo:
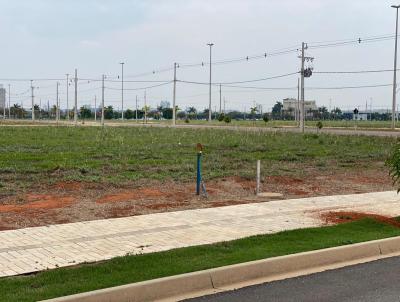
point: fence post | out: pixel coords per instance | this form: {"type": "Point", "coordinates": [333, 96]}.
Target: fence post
{"type": "Point", "coordinates": [258, 176]}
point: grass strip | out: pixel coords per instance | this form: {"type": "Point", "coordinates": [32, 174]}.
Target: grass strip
{"type": "Point", "coordinates": [130, 269]}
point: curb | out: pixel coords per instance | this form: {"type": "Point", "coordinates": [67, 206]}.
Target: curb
{"type": "Point", "coordinates": [239, 275]}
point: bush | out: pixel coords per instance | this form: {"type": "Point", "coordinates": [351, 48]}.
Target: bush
{"type": "Point", "coordinates": [221, 117]}
{"type": "Point", "coordinates": [186, 120]}
{"type": "Point", "coordinates": [393, 162]}
{"type": "Point", "coordinates": [319, 125]}
{"type": "Point", "coordinates": [227, 119]}
{"type": "Point", "coordinates": [265, 118]}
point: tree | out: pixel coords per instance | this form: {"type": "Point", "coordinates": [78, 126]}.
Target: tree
{"type": "Point", "coordinates": [205, 113]}
{"type": "Point", "coordinates": [323, 112]}
{"type": "Point", "coordinates": [167, 113]}
{"type": "Point", "coordinates": [53, 110]}
{"type": "Point", "coordinates": [265, 118]}
{"type": "Point", "coordinates": [181, 114]}
{"type": "Point", "coordinates": [337, 113]}
{"type": "Point", "coordinates": [192, 112]}
{"type": "Point", "coordinates": [17, 111]}
{"type": "Point", "coordinates": [277, 110]}
{"type": "Point", "coordinates": [85, 112]}
{"type": "Point", "coordinates": [108, 112]}
{"type": "Point", "coordinates": [253, 112]}
{"type": "Point", "coordinates": [227, 119]}
{"type": "Point", "coordinates": [129, 114]}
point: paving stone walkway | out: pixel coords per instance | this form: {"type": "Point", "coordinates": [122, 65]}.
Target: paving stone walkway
{"type": "Point", "coordinates": [34, 249]}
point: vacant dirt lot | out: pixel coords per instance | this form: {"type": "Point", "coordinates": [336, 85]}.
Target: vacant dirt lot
{"type": "Point", "coordinates": [66, 202]}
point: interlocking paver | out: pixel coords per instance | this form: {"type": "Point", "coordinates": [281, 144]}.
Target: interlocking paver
{"type": "Point", "coordinates": [34, 249]}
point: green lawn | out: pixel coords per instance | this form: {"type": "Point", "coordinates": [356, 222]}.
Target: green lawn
{"type": "Point", "coordinates": [129, 269]}
{"type": "Point", "coordinates": [36, 155]}
{"type": "Point", "coordinates": [281, 123]}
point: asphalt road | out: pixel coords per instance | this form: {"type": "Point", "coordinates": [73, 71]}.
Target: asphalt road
{"type": "Point", "coordinates": [369, 282]}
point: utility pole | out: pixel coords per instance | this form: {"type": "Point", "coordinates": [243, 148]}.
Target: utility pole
{"type": "Point", "coordinates": [209, 105]}
{"type": "Point", "coordinates": [76, 98]}
{"type": "Point", "coordinates": [394, 69]}
{"type": "Point", "coordinates": [67, 96]}
{"type": "Point", "coordinates": [224, 105]}
{"type": "Point", "coordinates": [173, 99]}
{"type": "Point", "coordinates": [304, 73]}
{"type": "Point", "coordinates": [145, 107]}
{"type": "Point", "coordinates": [9, 101]}
{"type": "Point", "coordinates": [298, 103]}
{"type": "Point", "coordinates": [4, 109]}
{"type": "Point", "coordinates": [122, 89]}
{"type": "Point", "coordinates": [102, 100]}
{"type": "Point", "coordinates": [302, 89]}
{"type": "Point", "coordinates": [95, 108]}
{"type": "Point", "coordinates": [220, 97]}
{"type": "Point", "coordinates": [136, 109]}
{"type": "Point", "coordinates": [57, 105]}
{"type": "Point", "coordinates": [33, 101]}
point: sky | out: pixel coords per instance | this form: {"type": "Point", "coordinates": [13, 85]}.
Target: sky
{"type": "Point", "coordinates": [46, 39]}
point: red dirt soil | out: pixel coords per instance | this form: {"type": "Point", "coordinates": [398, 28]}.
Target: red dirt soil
{"type": "Point", "coordinates": [71, 201]}
{"type": "Point", "coordinates": [343, 217]}
{"type": "Point", "coordinates": [142, 193]}
{"type": "Point", "coordinates": [39, 202]}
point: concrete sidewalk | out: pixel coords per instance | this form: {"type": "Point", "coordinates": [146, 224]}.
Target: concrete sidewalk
{"type": "Point", "coordinates": [40, 248]}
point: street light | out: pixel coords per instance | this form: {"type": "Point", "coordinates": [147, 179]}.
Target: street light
{"type": "Point", "coordinates": [209, 105]}
{"type": "Point", "coordinates": [122, 88]}
{"type": "Point", "coordinates": [394, 69]}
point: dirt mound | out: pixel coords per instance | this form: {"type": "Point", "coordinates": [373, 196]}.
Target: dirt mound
{"type": "Point", "coordinates": [342, 217]}
{"type": "Point", "coordinates": [39, 202]}
{"type": "Point", "coordinates": [137, 194]}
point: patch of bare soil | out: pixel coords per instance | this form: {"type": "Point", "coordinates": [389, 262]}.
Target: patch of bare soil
{"type": "Point", "coordinates": [343, 217]}
{"type": "Point", "coordinates": [66, 202]}
{"type": "Point", "coordinates": [38, 202]}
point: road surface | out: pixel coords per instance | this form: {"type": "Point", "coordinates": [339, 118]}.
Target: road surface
{"type": "Point", "coordinates": [369, 282]}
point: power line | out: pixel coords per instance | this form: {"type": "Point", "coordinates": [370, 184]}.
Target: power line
{"type": "Point", "coordinates": [141, 88]}
{"type": "Point", "coordinates": [354, 71]}
{"type": "Point", "coordinates": [241, 82]}
{"type": "Point", "coordinates": [349, 87]}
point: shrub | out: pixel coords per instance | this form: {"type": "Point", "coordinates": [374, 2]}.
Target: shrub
{"type": "Point", "coordinates": [221, 117]}
{"type": "Point", "coordinates": [227, 119]}
{"type": "Point", "coordinates": [319, 126]}
{"type": "Point", "coordinates": [265, 118]}
{"type": "Point", "coordinates": [393, 162]}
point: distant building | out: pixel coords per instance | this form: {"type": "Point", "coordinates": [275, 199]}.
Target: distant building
{"type": "Point", "coordinates": [2, 97]}
{"type": "Point", "coordinates": [291, 105]}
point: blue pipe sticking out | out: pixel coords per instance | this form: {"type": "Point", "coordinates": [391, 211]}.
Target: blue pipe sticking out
{"type": "Point", "coordinates": [198, 183]}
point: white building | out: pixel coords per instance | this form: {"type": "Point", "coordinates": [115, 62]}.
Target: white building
{"type": "Point", "coordinates": [291, 105]}
{"type": "Point", "coordinates": [2, 97]}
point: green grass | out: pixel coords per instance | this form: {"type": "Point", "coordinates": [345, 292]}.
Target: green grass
{"type": "Point", "coordinates": [32, 156]}
{"type": "Point", "coordinates": [281, 123]}
{"type": "Point", "coordinates": [130, 269]}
